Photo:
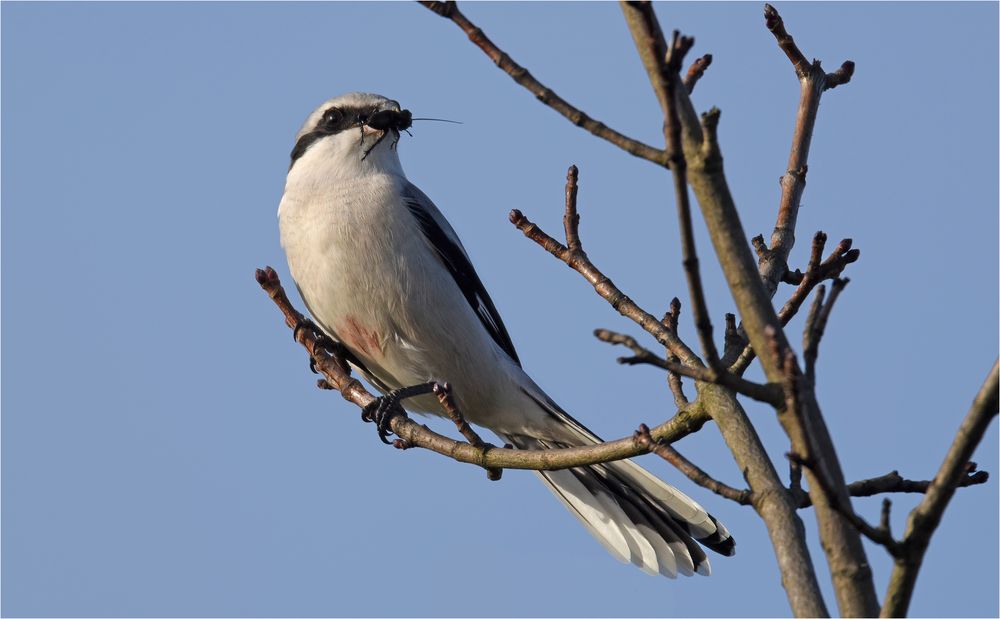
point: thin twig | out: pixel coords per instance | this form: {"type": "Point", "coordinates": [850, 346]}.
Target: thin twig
{"type": "Point", "coordinates": [893, 482]}
{"type": "Point", "coordinates": [817, 325]}
{"type": "Point", "coordinates": [678, 167]}
{"type": "Point", "coordinates": [696, 71]}
{"type": "Point", "coordinates": [787, 44]}
{"type": "Point", "coordinates": [668, 61]}
{"type": "Point", "coordinates": [769, 394]}
{"type": "Point", "coordinates": [924, 519]}
{"type": "Point", "coordinates": [577, 260]}
{"type": "Point", "coordinates": [831, 268]}
{"type": "Point", "coordinates": [733, 340]}
{"type": "Point", "coordinates": [571, 219]}
{"type": "Point", "coordinates": [443, 393]}
{"type": "Point", "coordinates": [841, 76]}
{"type": "Point", "coordinates": [878, 535]}
{"type": "Point", "coordinates": [693, 472]}
{"type": "Point", "coordinates": [674, 382]}
{"type": "Point", "coordinates": [813, 82]}
{"type": "Point", "coordinates": [807, 460]}
{"type": "Point", "coordinates": [810, 331]}
{"type": "Point", "coordinates": [336, 374]}
{"type": "Point", "coordinates": [449, 10]}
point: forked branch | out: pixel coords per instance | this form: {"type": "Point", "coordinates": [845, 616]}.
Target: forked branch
{"type": "Point", "coordinates": [693, 472]}
{"type": "Point", "coordinates": [576, 258]}
{"type": "Point", "coordinates": [769, 394]}
{"type": "Point", "coordinates": [813, 82]}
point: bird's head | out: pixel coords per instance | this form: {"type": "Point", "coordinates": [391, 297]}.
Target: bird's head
{"type": "Point", "coordinates": [354, 131]}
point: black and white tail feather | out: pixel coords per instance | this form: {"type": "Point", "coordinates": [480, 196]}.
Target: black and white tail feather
{"type": "Point", "coordinates": [638, 518]}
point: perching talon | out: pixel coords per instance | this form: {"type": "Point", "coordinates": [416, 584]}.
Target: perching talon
{"type": "Point", "coordinates": [381, 410]}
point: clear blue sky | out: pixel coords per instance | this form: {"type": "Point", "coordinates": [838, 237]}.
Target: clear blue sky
{"type": "Point", "coordinates": [164, 450]}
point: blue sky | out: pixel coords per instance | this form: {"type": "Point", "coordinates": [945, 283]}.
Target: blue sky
{"type": "Point", "coordinates": [164, 450]}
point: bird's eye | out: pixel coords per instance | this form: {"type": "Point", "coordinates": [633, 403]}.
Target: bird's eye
{"type": "Point", "coordinates": [332, 116]}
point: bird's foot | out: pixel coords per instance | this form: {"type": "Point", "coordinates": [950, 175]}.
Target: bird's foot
{"type": "Point", "coordinates": [381, 410]}
{"type": "Point", "coordinates": [305, 324]}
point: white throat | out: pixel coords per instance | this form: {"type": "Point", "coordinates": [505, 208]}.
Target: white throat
{"type": "Point", "coordinates": [344, 156]}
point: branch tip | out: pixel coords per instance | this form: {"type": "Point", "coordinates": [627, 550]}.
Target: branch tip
{"type": "Point", "coordinates": [696, 71]}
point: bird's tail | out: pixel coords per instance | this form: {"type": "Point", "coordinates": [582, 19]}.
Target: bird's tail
{"type": "Point", "coordinates": [637, 517]}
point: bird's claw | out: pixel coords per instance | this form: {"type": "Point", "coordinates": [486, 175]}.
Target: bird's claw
{"type": "Point", "coordinates": [322, 340]}
{"type": "Point", "coordinates": [381, 410]}
{"type": "Point", "coordinates": [304, 323]}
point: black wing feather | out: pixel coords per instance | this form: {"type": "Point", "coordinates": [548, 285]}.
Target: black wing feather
{"type": "Point", "coordinates": [455, 260]}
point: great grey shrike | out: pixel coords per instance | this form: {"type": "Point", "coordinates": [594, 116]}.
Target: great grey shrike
{"type": "Point", "coordinates": [383, 273]}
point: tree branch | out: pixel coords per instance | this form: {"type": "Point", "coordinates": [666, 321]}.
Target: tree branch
{"type": "Point", "coordinates": [673, 378]}
{"type": "Point", "coordinates": [816, 325]}
{"type": "Point", "coordinates": [880, 535]}
{"type": "Point", "coordinates": [704, 160]}
{"type": "Point", "coordinates": [336, 373]}
{"type": "Point", "coordinates": [816, 272]}
{"type": "Point", "coordinates": [813, 82]}
{"type": "Point", "coordinates": [696, 71]}
{"type": "Point", "coordinates": [576, 258]}
{"type": "Point", "coordinates": [803, 423]}
{"type": "Point", "coordinates": [449, 10]}
{"type": "Point", "coordinates": [769, 394]}
{"type": "Point", "coordinates": [924, 519]}
{"type": "Point", "coordinates": [892, 482]}
{"type": "Point", "coordinates": [695, 474]}
{"type": "Point", "coordinates": [845, 553]}
{"type": "Point", "coordinates": [669, 68]}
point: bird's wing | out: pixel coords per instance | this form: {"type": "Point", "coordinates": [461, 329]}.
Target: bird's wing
{"type": "Point", "coordinates": [449, 250]}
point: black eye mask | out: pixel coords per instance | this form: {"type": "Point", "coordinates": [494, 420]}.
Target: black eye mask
{"type": "Point", "coordinates": [336, 120]}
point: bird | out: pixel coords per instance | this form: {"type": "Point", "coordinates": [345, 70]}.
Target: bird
{"type": "Point", "coordinates": [384, 275]}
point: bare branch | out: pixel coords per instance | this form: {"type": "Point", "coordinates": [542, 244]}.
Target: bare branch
{"type": "Point", "coordinates": [810, 331]}
{"type": "Point", "coordinates": [449, 10]}
{"type": "Point", "coordinates": [336, 374]}
{"type": "Point", "coordinates": [678, 166]}
{"type": "Point", "coordinates": [666, 66]}
{"type": "Point", "coordinates": [571, 219]}
{"type": "Point", "coordinates": [705, 173]}
{"type": "Point", "coordinates": [924, 519]}
{"type": "Point", "coordinates": [443, 393]}
{"type": "Point", "coordinates": [695, 474]}
{"type": "Point", "coordinates": [830, 268]}
{"type": "Point", "coordinates": [785, 41]}
{"type": "Point", "coordinates": [878, 535]}
{"type": "Point", "coordinates": [769, 394]}
{"type": "Point", "coordinates": [577, 260]}
{"type": "Point", "coordinates": [732, 337]}
{"type": "Point", "coordinates": [816, 325]}
{"type": "Point", "coordinates": [892, 482]}
{"type": "Point", "coordinates": [673, 378]}
{"type": "Point", "coordinates": [813, 82]}
{"type": "Point", "coordinates": [840, 76]}
{"type": "Point", "coordinates": [695, 72]}
{"type": "Point", "coordinates": [812, 446]}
